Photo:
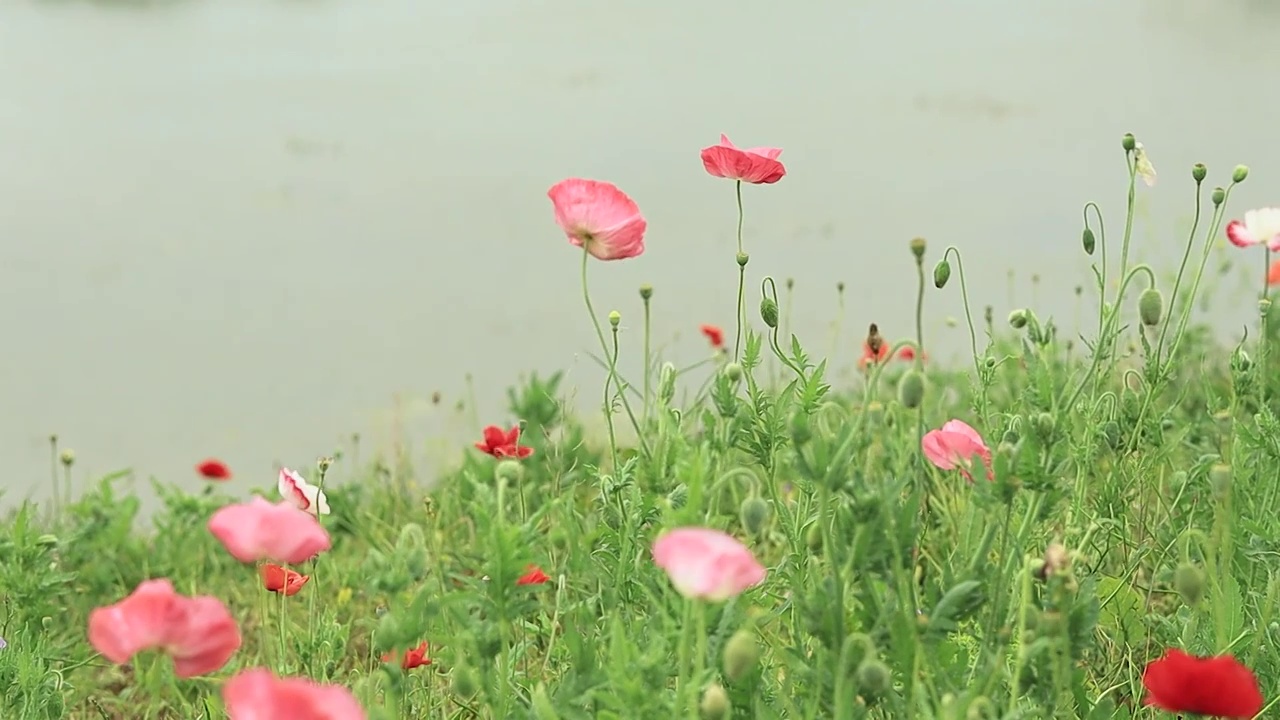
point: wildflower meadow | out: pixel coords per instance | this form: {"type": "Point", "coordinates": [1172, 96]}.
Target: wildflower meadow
{"type": "Point", "coordinates": [1070, 526]}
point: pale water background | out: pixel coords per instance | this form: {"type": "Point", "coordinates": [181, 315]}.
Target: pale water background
{"type": "Point", "coordinates": [250, 229]}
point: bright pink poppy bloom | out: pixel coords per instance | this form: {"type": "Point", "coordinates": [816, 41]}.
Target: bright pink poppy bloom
{"type": "Point", "coordinates": [1260, 227]}
{"type": "Point", "coordinates": [259, 530]}
{"type": "Point", "coordinates": [707, 564]}
{"type": "Point", "coordinates": [954, 446]}
{"type": "Point", "coordinates": [257, 694]}
{"type": "Point", "coordinates": [598, 216]}
{"type": "Point", "coordinates": [758, 166]}
{"type": "Point", "coordinates": [302, 494]}
{"type": "Point", "coordinates": [1216, 686]}
{"type": "Point", "coordinates": [198, 633]}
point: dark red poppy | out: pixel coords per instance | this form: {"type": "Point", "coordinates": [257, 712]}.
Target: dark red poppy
{"type": "Point", "coordinates": [1220, 686]}
{"type": "Point", "coordinates": [714, 334]}
{"type": "Point", "coordinates": [414, 657]}
{"type": "Point", "coordinates": [214, 470]}
{"type": "Point", "coordinates": [909, 353]}
{"type": "Point", "coordinates": [873, 355]}
{"type": "Point", "coordinates": [503, 443]}
{"type": "Point", "coordinates": [282, 580]}
{"type": "Point", "coordinates": [533, 575]}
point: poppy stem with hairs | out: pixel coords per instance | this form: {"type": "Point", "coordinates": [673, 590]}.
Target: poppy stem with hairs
{"type": "Point", "coordinates": [613, 371]}
{"type": "Point", "coordinates": [742, 279]}
{"type": "Point", "coordinates": [1264, 306]}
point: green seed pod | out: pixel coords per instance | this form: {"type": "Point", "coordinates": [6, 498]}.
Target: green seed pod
{"type": "Point", "coordinates": [1088, 240]}
{"type": "Point", "coordinates": [615, 317]}
{"type": "Point", "coordinates": [1128, 142]}
{"type": "Point", "coordinates": [1218, 196]}
{"type": "Point", "coordinates": [715, 703]}
{"type": "Point", "coordinates": [941, 273]}
{"type": "Point", "coordinates": [743, 258]}
{"type": "Point", "coordinates": [1151, 307]}
{"type": "Point", "coordinates": [1188, 580]}
{"type": "Point", "coordinates": [1198, 172]}
{"type": "Point", "coordinates": [646, 291]}
{"type": "Point", "coordinates": [741, 653]}
{"type": "Point", "coordinates": [917, 248]}
{"type": "Point", "coordinates": [755, 512]}
{"type": "Point", "coordinates": [911, 389]}
{"type": "Point", "coordinates": [1240, 173]}
{"type": "Point", "coordinates": [769, 312]}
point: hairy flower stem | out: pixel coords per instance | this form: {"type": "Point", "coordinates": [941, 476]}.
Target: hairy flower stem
{"type": "Point", "coordinates": [648, 360]}
{"type": "Point", "coordinates": [742, 281]}
{"type": "Point", "coordinates": [613, 374]}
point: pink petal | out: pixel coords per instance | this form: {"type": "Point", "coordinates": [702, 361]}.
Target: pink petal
{"type": "Point", "coordinates": [707, 564]}
{"type": "Point", "coordinates": [1239, 235]}
{"type": "Point", "coordinates": [258, 695]}
{"type": "Point", "coordinates": [259, 530]}
{"type": "Point", "coordinates": [599, 215]}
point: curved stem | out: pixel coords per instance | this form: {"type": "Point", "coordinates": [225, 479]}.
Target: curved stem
{"type": "Point", "coordinates": [769, 289]}
{"type": "Point", "coordinates": [595, 322]}
{"type": "Point", "coordinates": [742, 279]}
{"type": "Point", "coordinates": [1102, 246]}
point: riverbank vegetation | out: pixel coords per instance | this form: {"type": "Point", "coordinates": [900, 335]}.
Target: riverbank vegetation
{"type": "Point", "coordinates": [1065, 527]}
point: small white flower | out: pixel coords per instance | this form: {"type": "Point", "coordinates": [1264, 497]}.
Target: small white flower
{"type": "Point", "coordinates": [305, 496]}
{"type": "Point", "coordinates": [1259, 227]}
{"type": "Point", "coordinates": [1143, 165]}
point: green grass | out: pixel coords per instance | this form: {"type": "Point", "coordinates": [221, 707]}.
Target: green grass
{"type": "Point", "coordinates": [895, 589]}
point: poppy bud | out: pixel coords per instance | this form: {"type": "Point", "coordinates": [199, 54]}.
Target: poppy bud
{"type": "Point", "coordinates": [464, 682]}
{"type": "Point", "coordinates": [678, 496]}
{"type": "Point", "coordinates": [667, 383]}
{"type": "Point", "coordinates": [989, 363]}
{"type": "Point", "coordinates": [1150, 307]}
{"type": "Point", "coordinates": [840, 287]}
{"type": "Point", "coordinates": [791, 283]}
{"type": "Point", "coordinates": [1220, 479]}
{"type": "Point", "coordinates": [509, 471]}
{"type": "Point", "coordinates": [542, 707]}
{"type": "Point", "coordinates": [874, 677]}
{"type": "Point", "coordinates": [917, 248]}
{"type": "Point", "coordinates": [646, 291]}
{"type": "Point", "coordinates": [47, 540]}
{"type": "Point", "coordinates": [813, 539]}
{"type": "Point", "coordinates": [980, 709]}
{"type": "Point", "coordinates": [941, 273]}
{"type": "Point", "coordinates": [1188, 580]}
{"type": "Point", "coordinates": [733, 371]}
{"type": "Point", "coordinates": [742, 259]}
{"type": "Point", "coordinates": [1018, 319]}
{"type": "Point", "coordinates": [754, 514]}
{"type": "Point", "coordinates": [1241, 361]}
{"type": "Point", "coordinates": [1218, 196]}
{"type": "Point", "coordinates": [1010, 437]}
{"type": "Point", "coordinates": [875, 411]}
{"type": "Point", "coordinates": [911, 390]}
{"type": "Point", "coordinates": [1240, 173]}
{"type": "Point", "coordinates": [801, 433]}
{"type": "Point", "coordinates": [1110, 431]}
{"type": "Point", "coordinates": [1044, 425]}
{"type": "Point", "coordinates": [740, 654]}
{"type": "Point", "coordinates": [769, 312]}
{"type": "Point", "coordinates": [68, 457]}
{"type": "Point", "coordinates": [1088, 240]}
{"type": "Point", "coordinates": [615, 317]}
{"type": "Point", "coordinates": [1128, 142]}
{"type": "Point", "coordinates": [1198, 171]}
{"type": "Point", "coordinates": [715, 703]}
{"type": "Point", "coordinates": [1264, 306]}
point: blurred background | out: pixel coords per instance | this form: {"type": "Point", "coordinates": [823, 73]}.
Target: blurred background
{"type": "Point", "coordinates": [249, 229]}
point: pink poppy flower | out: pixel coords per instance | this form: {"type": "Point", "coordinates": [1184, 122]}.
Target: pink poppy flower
{"type": "Point", "coordinates": [302, 494]}
{"type": "Point", "coordinates": [758, 166]}
{"type": "Point", "coordinates": [1259, 227]}
{"type": "Point", "coordinates": [259, 695]}
{"type": "Point", "coordinates": [198, 633]}
{"type": "Point", "coordinates": [707, 564]}
{"type": "Point", "coordinates": [600, 217]}
{"type": "Point", "coordinates": [954, 446]}
{"type": "Point", "coordinates": [259, 530]}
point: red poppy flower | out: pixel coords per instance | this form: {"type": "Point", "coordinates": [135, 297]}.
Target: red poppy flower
{"type": "Point", "coordinates": [503, 444]}
{"type": "Point", "coordinates": [873, 354]}
{"type": "Point", "coordinates": [282, 580]}
{"type": "Point", "coordinates": [714, 334]}
{"type": "Point", "coordinates": [414, 657]}
{"type": "Point", "coordinates": [214, 470]}
{"type": "Point", "coordinates": [909, 353]}
{"type": "Point", "coordinates": [533, 575]}
{"type": "Point", "coordinates": [1220, 686]}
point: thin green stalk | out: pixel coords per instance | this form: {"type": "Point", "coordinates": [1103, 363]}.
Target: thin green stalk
{"type": "Point", "coordinates": [1182, 268]}
{"type": "Point", "coordinates": [648, 358]}
{"type": "Point", "coordinates": [1264, 307]}
{"type": "Point", "coordinates": [742, 279]}
{"type": "Point", "coordinates": [919, 363]}
{"type": "Point", "coordinates": [613, 372]}
{"type": "Point", "coordinates": [700, 661]}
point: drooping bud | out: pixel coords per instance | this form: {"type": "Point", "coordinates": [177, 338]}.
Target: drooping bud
{"type": "Point", "coordinates": [646, 291]}
{"type": "Point", "coordinates": [755, 513]}
{"type": "Point", "coordinates": [1151, 307]}
{"type": "Point", "coordinates": [813, 539]}
{"type": "Point", "coordinates": [715, 703]}
{"type": "Point", "coordinates": [941, 273]}
{"type": "Point", "coordinates": [1044, 425]}
{"type": "Point", "coordinates": [615, 317]}
{"type": "Point", "coordinates": [742, 259]}
{"type": "Point", "coordinates": [1240, 173]}
{"type": "Point", "coordinates": [801, 432]}
{"type": "Point", "coordinates": [1088, 240]}
{"type": "Point", "coordinates": [911, 390]}
{"type": "Point", "coordinates": [1188, 580]}
{"type": "Point", "coordinates": [1240, 361]}
{"type": "Point", "coordinates": [1128, 142]}
{"type": "Point", "coordinates": [1218, 196]}
{"type": "Point", "coordinates": [1018, 319]}
{"type": "Point", "coordinates": [1198, 172]}
{"type": "Point", "coordinates": [769, 311]}
{"type": "Point", "coordinates": [917, 248]}
{"type": "Point", "coordinates": [874, 677]}
{"type": "Point", "coordinates": [740, 654]}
